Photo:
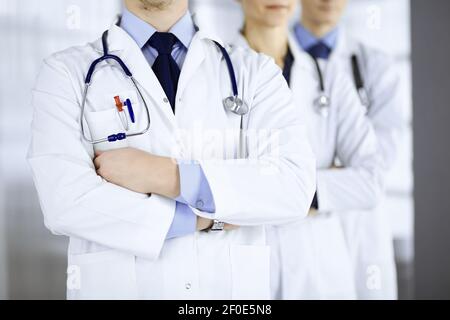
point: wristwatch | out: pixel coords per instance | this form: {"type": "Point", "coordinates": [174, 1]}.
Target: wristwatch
{"type": "Point", "coordinates": [217, 226]}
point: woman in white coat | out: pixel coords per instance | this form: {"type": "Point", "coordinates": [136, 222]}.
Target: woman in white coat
{"type": "Point", "coordinates": [119, 206]}
{"type": "Point", "coordinates": [312, 259]}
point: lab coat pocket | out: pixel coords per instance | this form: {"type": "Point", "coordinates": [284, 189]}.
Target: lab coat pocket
{"type": "Point", "coordinates": [333, 260]}
{"type": "Point", "coordinates": [103, 124]}
{"type": "Point", "coordinates": [250, 272]}
{"type": "Point", "coordinates": [104, 275]}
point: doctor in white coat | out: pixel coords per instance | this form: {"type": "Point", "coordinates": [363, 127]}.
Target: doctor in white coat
{"type": "Point", "coordinates": [311, 259]}
{"type": "Point", "coordinates": [368, 232]}
{"type": "Point", "coordinates": [140, 222]}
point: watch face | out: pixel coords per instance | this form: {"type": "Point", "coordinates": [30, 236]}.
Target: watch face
{"type": "Point", "coordinates": [218, 226]}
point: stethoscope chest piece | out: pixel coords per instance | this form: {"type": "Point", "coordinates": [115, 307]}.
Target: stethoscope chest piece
{"type": "Point", "coordinates": [323, 105]}
{"type": "Point", "coordinates": [235, 105]}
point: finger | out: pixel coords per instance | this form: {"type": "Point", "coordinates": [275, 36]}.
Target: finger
{"type": "Point", "coordinates": [230, 227]}
{"type": "Point", "coordinates": [97, 163]}
{"type": "Point", "coordinates": [98, 153]}
{"type": "Point", "coordinates": [203, 224]}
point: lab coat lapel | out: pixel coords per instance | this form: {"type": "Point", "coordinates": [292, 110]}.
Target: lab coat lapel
{"type": "Point", "coordinates": [194, 58]}
{"type": "Point", "coordinates": [301, 58]}
{"type": "Point", "coordinates": [341, 51]}
{"type": "Point", "coordinates": [121, 44]}
{"type": "Point", "coordinates": [240, 41]}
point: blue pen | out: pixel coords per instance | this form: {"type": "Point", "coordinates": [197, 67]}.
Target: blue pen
{"type": "Point", "coordinates": [130, 110]}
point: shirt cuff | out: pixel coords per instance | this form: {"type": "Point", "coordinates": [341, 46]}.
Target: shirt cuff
{"type": "Point", "coordinates": [184, 222]}
{"type": "Point", "coordinates": [194, 188]}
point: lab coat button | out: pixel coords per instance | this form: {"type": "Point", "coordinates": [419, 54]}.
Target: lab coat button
{"type": "Point", "coordinates": [199, 204]}
{"type": "Point", "coordinates": [188, 286]}
{"type": "Point", "coordinates": [166, 100]}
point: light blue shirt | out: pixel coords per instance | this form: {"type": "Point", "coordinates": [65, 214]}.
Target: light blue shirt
{"type": "Point", "coordinates": [195, 190]}
{"type": "Point", "coordinates": [141, 32]}
{"type": "Point", "coordinates": [307, 40]}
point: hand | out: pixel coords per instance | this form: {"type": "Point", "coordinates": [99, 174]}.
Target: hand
{"type": "Point", "coordinates": [139, 171]}
{"type": "Point", "coordinates": [204, 224]}
{"type": "Point", "coordinates": [230, 227]}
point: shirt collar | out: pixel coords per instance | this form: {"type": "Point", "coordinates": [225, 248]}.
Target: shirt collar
{"type": "Point", "coordinates": [306, 39]}
{"type": "Point", "coordinates": [142, 31]}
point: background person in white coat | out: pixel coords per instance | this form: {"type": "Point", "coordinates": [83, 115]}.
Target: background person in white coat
{"type": "Point", "coordinates": [312, 259]}
{"type": "Point", "coordinates": [132, 212]}
{"type": "Point", "coordinates": [368, 233]}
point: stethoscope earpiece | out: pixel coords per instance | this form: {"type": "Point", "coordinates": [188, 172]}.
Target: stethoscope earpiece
{"type": "Point", "coordinates": [236, 105]}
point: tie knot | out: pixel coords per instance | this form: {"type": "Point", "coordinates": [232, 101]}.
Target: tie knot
{"type": "Point", "coordinates": [319, 50]}
{"type": "Point", "coordinates": [163, 42]}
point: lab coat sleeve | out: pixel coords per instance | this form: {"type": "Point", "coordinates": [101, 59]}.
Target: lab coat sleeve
{"type": "Point", "coordinates": [387, 111]}
{"type": "Point", "coordinates": [358, 184]}
{"type": "Point", "coordinates": [194, 188]}
{"type": "Point", "coordinates": [75, 201]}
{"type": "Point", "coordinates": [275, 182]}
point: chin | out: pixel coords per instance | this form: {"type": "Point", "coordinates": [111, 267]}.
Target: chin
{"type": "Point", "coordinates": [326, 19]}
{"type": "Point", "coordinates": [155, 4]}
{"type": "Point", "coordinates": [327, 16]}
{"type": "Point", "coordinates": [276, 21]}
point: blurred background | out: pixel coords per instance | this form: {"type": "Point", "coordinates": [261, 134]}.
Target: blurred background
{"type": "Point", "coordinates": [33, 262]}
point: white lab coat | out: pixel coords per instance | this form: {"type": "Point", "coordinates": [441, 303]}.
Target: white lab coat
{"type": "Point", "coordinates": [368, 233]}
{"type": "Point", "coordinates": [311, 259]}
{"type": "Point", "coordinates": [117, 237]}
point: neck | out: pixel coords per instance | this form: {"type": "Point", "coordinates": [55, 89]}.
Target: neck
{"type": "Point", "coordinates": [160, 16]}
{"type": "Point", "coordinates": [272, 41]}
{"type": "Point", "coordinates": [318, 29]}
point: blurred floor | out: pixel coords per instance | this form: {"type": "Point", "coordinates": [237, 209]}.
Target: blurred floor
{"type": "Point", "coordinates": [36, 259]}
{"type": "Point", "coordinates": [3, 259]}
{"type": "Point", "coordinates": [404, 261]}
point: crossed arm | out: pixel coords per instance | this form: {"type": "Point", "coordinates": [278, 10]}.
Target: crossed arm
{"type": "Point", "coordinates": [77, 201]}
{"type": "Point", "coordinates": [145, 173]}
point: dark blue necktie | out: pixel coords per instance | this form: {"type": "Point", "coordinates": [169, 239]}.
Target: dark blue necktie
{"type": "Point", "coordinates": [288, 63]}
{"type": "Point", "coordinates": [165, 67]}
{"type": "Point", "coordinates": [319, 51]}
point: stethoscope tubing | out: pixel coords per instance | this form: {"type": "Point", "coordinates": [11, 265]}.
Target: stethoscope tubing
{"type": "Point", "coordinates": [323, 101]}
{"type": "Point", "coordinates": [238, 106]}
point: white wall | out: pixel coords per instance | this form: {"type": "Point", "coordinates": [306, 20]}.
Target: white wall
{"type": "Point", "coordinates": [41, 28]}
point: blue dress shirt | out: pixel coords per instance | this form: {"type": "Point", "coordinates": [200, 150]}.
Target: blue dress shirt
{"type": "Point", "coordinates": [195, 190]}
{"type": "Point", "coordinates": [307, 40]}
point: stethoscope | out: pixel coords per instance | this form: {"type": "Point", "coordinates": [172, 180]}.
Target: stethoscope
{"type": "Point", "coordinates": [359, 83]}
{"type": "Point", "coordinates": [323, 101]}
{"type": "Point", "coordinates": [233, 103]}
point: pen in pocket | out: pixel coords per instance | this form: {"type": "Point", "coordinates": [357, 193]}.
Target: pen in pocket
{"type": "Point", "coordinates": [122, 116]}
{"type": "Point", "coordinates": [130, 110]}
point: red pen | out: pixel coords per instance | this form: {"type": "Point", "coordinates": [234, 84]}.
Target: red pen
{"type": "Point", "coordinates": [119, 106]}
{"type": "Point", "coordinates": [119, 103]}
